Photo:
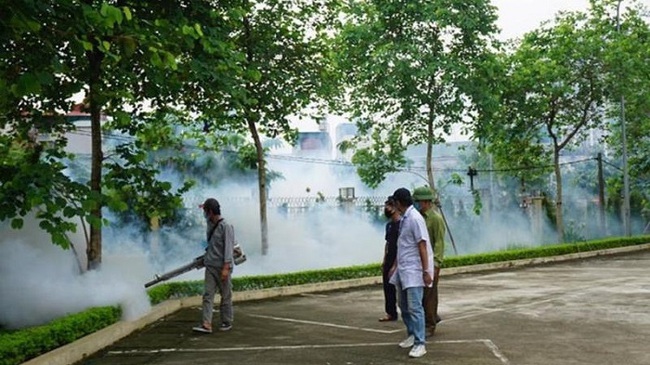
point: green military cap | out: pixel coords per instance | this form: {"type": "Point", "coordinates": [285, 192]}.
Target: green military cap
{"type": "Point", "coordinates": [423, 193]}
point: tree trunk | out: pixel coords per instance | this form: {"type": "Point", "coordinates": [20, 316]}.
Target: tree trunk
{"type": "Point", "coordinates": [430, 153]}
{"type": "Point", "coordinates": [601, 196]}
{"type": "Point", "coordinates": [261, 182]}
{"type": "Point", "coordinates": [559, 218]}
{"type": "Point", "coordinates": [261, 164]}
{"type": "Point", "coordinates": [94, 248]}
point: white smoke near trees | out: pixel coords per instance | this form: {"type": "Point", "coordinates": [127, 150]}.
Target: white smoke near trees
{"type": "Point", "coordinates": [324, 237]}
{"type": "Point", "coordinates": [41, 281]}
{"type": "Point", "coordinates": [308, 230]}
{"type": "Point", "coordinates": [304, 235]}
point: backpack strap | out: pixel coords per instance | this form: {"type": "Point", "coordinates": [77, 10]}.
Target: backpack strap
{"type": "Point", "coordinates": [213, 229]}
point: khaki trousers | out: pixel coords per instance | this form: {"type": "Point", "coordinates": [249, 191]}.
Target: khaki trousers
{"type": "Point", "coordinates": [430, 303]}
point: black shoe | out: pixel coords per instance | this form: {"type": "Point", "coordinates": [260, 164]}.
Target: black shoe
{"type": "Point", "coordinates": [225, 326]}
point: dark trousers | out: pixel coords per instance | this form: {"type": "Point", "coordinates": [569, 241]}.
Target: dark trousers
{"type": "Point", "coordinates": [390, 294]}
{"type": "Point", "coordinates": [430, 303]}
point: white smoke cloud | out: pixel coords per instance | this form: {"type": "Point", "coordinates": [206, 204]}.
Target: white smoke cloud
{"type": "Point", "coordinates": [41, 281]}
{"type": "Point", "coordinates": [320, 236]}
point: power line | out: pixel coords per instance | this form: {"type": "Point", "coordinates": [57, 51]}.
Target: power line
{"type": "Point", "coordinates": [537, 167]}
{"type": "Point", "coordinates": [612, 165]}
{"type": "Point", "coordinates": [321, 161]}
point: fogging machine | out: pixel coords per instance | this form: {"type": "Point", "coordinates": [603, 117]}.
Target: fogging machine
{"type": "Point", "coordinates": [238, 257]}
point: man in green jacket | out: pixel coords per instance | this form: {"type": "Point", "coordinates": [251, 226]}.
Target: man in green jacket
{"type": "Point", "coordinates": [423, 198]}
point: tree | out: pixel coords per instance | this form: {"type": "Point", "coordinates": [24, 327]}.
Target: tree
{"type": "Point", "coordinates": [412, 70]}
{"type": "Point", "coordinates": [282, 66]}
{"type": "Point", "coordinates": [118, 55]}
{"type": "Point", "coordinates": [554, 92]}
{"type": "Point", "coordinates": [286, 69]}
{"type": "Point", "coordinates": [627, 56]}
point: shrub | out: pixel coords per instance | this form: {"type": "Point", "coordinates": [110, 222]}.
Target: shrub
{"type": "Point", "coordinates": [191, 288]}
{"type": "Point", "coordinates": [19, 346]}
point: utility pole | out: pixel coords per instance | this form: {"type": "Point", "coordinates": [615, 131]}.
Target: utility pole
{"type": "Point", "coordinates": [471, 172]}
{"type": "Point", "coordinates": [601, 195]}
{"type": "Point", "coordinates": [491, 183]}
{"type": "Point", "coordinates": [626, 178]}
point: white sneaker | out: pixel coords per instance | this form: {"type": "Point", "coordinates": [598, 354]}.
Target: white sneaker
{"type": "Point", "coordinates": [417, 351]}
{"type": "Point", "coordinates": [408, 342]}
{"type": "Point", "coordinates": [202, 329]}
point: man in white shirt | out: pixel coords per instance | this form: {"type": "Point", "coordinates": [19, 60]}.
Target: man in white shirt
{"type": "Point", "coordinates": [413, 270]}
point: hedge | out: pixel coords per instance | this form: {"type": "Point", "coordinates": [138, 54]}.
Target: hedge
{"type": "Point", "coordinates": [19, 346]}
{"type": "Point", "coordinates": [192, 288]}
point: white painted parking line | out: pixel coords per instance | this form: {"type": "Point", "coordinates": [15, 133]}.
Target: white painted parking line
{"type": "Point", "coordinates": [488, 343]}
{"type": "Point", "coordinates": [254, 348]}
{"type": "Point", "coordinates": [325, 324]}
{"type": "Point", "coordinates": [496, 351]}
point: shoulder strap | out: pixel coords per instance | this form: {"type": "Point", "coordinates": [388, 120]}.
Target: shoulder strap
{"type": "Point", "coordinates": [214, 229]}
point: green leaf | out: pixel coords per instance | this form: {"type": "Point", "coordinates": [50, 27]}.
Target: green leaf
{"type": "Point", "coordinates": [197, 27]}
{"type": "Point", "coordinates": [118, 206]}
{"type": "Point", "coordinates": [165, 185]}
{"type": "Point", "coordinates": [60, 239]}
{"type": "Point", "coordinates": [17, 223]}
{"type": "Point", "coordinates": [127, 13]}
{"type": "Point", "coordinates": [45, 78]}
{"type": "Point", "coordinates": [86, 45]}
{"type": "Point", "coordinates": [69, 212]}
{"type": "Point", "coordinates": [46, 226]}
{"type": "Point", "coordinates": [155, 59]}
{"type": "Point", "coordinates": [456, 179]}
{"type": "Point", "coordinates": [28, 84]}
{"type": "Point", "coordinates": [104, 9]}
{"type": "Point", "coordinates": [88, 205]}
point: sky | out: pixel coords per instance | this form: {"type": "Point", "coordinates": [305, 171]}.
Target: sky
{"type": "Point", "coordinates": [517, 17]}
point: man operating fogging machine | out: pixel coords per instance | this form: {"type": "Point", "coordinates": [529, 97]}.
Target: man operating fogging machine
{"type": "Point", "coordinates": [218, 261]}
{"type": "Point", "coordinates": [220, 254]}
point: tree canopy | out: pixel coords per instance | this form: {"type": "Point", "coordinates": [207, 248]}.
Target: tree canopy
{"type": "Point", "coordinates": [559, 81]}
{"type": "Point", "coordinates": [411, 70]}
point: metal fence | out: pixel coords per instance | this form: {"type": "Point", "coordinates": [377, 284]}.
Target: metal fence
{"type": "Point", "coordinates": [303, 202]}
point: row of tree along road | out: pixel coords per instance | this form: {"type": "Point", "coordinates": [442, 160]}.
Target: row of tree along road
{"type": "Point", "coordinates": [181, 76]}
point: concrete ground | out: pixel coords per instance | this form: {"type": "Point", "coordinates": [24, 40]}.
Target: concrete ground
{"type": "Point", "coordinates": [593, 311]}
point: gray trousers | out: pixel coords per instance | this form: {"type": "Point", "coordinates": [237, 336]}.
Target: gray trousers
{"type": "Point", "coordinates": [212, 283]}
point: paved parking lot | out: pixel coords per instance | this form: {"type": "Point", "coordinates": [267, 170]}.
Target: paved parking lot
{"type": "Point", "coordinates": [592, 311]}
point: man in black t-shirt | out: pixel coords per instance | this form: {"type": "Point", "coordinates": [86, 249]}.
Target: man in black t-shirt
{"type": "Point", "coordinates": [390, 254]}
